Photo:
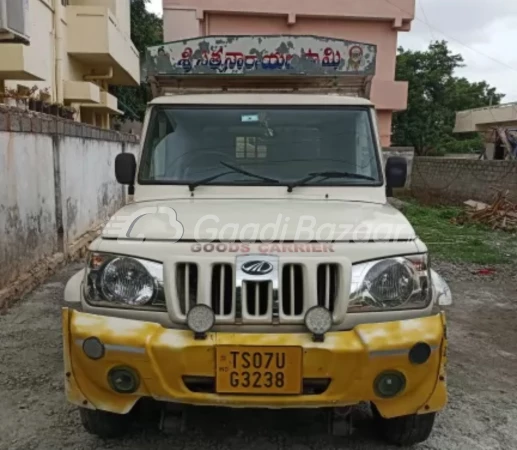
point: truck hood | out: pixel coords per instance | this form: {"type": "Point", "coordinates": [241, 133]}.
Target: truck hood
{"type": "Point", "coordinates": [258, 220]}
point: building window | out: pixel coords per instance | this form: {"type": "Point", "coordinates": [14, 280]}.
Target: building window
{"type": "Point", "coordinates": [250, 147]}
{"type": "Point", "coordinates": [65, 2]}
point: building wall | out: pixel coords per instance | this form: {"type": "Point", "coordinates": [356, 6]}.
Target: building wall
{"type": "Point", "coordinates": [43, 51]}
{"type": "Point", "coordinates": [57, 182]}
{"type": "Point", "coordinates": [375, 22]}
{"type": "Point", "coordinates": [42, 48]}
{"type": "Point", "coordinates": [123, 13]}
{"type": "Point", "coordinates": [400, 12]}
{"type": "Point", "coordinates": [181, 24]}
{"type": "Point", "coordinates": [458, 180]}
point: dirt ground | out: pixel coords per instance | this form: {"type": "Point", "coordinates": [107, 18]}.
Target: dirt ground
{"type": "Point", "coordinates": [482, 410]}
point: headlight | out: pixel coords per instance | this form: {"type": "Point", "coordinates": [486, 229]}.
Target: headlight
{"type": "Point", "coordinates": [122, 281]}
{"type": "Point", "coordinates": [391, 284]}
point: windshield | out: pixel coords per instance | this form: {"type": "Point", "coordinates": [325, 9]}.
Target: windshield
{"type": "Point", "coordinates": [280, 144]}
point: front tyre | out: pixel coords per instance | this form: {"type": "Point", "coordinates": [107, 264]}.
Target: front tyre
{"type": "Point", "coordinates": [104, 424]}
{"type": "Point", "coordinates": [405, 430]}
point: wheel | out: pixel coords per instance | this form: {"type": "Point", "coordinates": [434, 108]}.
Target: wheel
{"type": "Point", "coordinates": [405, 430]}
{"type": "Point", "coordinates": [105, 424]}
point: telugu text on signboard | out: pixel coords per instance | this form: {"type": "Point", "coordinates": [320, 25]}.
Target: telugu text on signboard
{"type": "Point", "coordinates": [262, 55]}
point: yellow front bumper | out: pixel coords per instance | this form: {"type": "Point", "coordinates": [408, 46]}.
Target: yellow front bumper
{"type": "Point", "coordinates": [162, 357]}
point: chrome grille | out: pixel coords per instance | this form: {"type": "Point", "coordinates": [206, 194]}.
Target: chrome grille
{"type": "Point", "coordinates": [186, 286]}
{"type": "Point", "coordinates": [281, 296]}
{"type": "Point", "coordinates": [327, 285]}
{"type": "Point", "coordinates": [292, 290]}
{"type": "Point", "coordinates": [257, 297]}
{"type": "Point", "coordinates": [222, 289]}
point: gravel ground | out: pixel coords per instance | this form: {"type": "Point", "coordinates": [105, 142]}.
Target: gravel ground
{"type": "Point", "coordinates": [482, 411]}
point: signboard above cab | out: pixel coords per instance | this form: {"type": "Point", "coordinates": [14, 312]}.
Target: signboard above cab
{"type": "Point", "coordinates": [261, 56]}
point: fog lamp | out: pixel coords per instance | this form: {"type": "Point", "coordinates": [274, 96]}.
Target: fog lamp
{"type": "Point", "coordinates": [123, 380]}
{"type": "Point", "coordinates": [420, 353]}
{"type": "Point", "coordinates": [389, 384]}
{"type": "Point", "coordinates": [93, 348]}
{"type": "Point", "coordinates": [318, 321]}
{"type": "Point", "coordinates": [200, 319]}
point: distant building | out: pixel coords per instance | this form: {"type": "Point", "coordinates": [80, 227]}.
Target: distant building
{"type": "Point", "coordinates": [483, 119]}
{"type": "Point", "coordinates": [497, 124]}
{"type": "Point", "coordinates": [72, 50]}
{"type": "Point", "coordinates": [374, 21]}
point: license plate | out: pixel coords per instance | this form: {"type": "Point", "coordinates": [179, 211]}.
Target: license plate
{"type": "Point", "coordinates": [258, 370]}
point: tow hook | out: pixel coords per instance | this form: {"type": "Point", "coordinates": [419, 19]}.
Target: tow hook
{"type": "Point", "coordinates": [173, 419]}
{"type": "Point", "coordinates": [340, 421]}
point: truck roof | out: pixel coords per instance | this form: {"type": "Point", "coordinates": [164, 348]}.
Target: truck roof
{"type": "Point", "coordinates": [240, 98]}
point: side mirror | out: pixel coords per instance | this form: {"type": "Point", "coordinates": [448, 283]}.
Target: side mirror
{"type": "Point", "coordinates": [125, 168]}
{"type": "Point", "coordinates": [396, 173]}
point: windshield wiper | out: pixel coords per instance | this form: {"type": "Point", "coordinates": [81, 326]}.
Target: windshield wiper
{"type": "Point", "coordinates": [326, 176]}
{"type": "Point", "coordinates": [250, 174]}
{"type": "Point", "coordinates": [235, 169]}
{"type": "Point", "coordinates": [194, 185]}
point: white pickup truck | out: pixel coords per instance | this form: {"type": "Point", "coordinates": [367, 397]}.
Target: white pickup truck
{"type": "Point", "coordinates": [259, 264]}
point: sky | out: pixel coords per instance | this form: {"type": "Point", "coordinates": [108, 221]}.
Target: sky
{"type": "Point", "coordinates": [483, 31]}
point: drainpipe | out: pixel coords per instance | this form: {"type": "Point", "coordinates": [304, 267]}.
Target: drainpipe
{"type": "Point", "coordinates": [58, 48]}
{"type": "Point", "coordinates": [108, 76]}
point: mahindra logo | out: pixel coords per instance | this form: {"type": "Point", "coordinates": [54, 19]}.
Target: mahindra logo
{"type": "Point", "coordinates": [257, 267]}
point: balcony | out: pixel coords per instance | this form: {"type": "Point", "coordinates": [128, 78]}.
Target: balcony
{"type": "Point", "coordinates": [82, 92]}
{"type": "Point", "coordinates": [17, 62]}
{"type": "Point", "coordinates": [96, 39]}
{"type": "Point", "coordinates": [108, 104]}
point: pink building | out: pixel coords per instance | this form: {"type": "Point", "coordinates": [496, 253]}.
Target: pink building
{"type": "Point", "coordinates": [371, 21]}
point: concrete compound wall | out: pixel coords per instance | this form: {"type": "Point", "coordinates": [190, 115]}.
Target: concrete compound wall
{"type": "Point", "coordinates": [57, 182]}
{"type": "Point", "coordinates": [90, 193]}
{"type": "Point", "coordinates": [457, 180]}
{"type": "Point", "coordinates": [27, 202]}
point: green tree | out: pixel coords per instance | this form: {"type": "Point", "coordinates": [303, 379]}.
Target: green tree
{"type": "Point", "coordinates": [435, 95]}
{"type": "Point", "coordinates": [146, 30]}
